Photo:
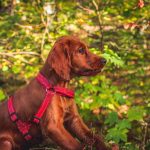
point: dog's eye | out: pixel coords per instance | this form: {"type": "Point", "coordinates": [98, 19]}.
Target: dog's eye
{"type": "Point", "coordinates": [81, 50]}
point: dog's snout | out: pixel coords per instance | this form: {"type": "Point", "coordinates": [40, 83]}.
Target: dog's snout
{"type": "Point", "coordinates": [103, 61]}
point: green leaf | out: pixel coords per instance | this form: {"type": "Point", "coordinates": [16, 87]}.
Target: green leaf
{"type": "Point", "coordinates": [2, 95]}
{"type": "Point", "coordinates": [124, 124]}
{"type": "Point", "coordinates": [4, 68]}
{"type": "Point", "coordinates": [112, 57]}
{"type": "Point", "coordinates": [117, 135]}
{"type": "Point", "coordinates": [119, 98]}
{"type": "Point", "coordinates": [112, 118]}
{"type": "Point", "coordinates": [119, 132]}
{"type": "Point", "coordinates": [136, 113]}
{"type": "Point", "coordinates": [16, 69]}
{"type": "Point", "coordinates": [130, 146]}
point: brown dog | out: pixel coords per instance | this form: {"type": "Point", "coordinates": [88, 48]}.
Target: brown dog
{"type": "Point", "coordinates": [68, 58]}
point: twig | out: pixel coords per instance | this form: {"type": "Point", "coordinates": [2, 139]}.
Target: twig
{"type": "Point", "coordinates": [95, 4]}
{"type": "Point", "coordinates": [145, 126]}
{"type": "Point", "coordinates": [85, 8]}
{"type": "Point", "coordinates": [19, 53]}
{"type": "Point", "coordinates": [13, 56]}
{"type": "Point", "coordinates": [45, 32]}
{"type": "Point", "coordinates": [43, 21]}
{"type": "Point", "coordinates": [12, 9]}
{"type": "Point", "coordinates": [100, 23]}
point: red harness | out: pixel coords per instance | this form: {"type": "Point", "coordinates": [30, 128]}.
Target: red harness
{"type": "Point", "coordinates": [24, 127]}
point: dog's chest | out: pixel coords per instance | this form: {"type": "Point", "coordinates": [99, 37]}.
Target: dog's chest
{"type": "Point", "coordinates": [65, 103]}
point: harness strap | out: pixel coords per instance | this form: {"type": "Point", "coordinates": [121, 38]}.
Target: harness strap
{"type": "Point", "coordinates": [42, 80]}
{"type": "Point", "coordinates": [64, 92]}
{"type": "Point", "coordinates": [50, 90]}
{"type": "Point", "coordinates": [11, 110]}
{"type": "Point", "coordinates": [24, 127]}
{"type": "Point", "coordinates": [43, 107]}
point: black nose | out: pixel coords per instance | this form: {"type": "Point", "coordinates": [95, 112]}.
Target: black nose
{"type": "Point", "coordinates": [103, 61]}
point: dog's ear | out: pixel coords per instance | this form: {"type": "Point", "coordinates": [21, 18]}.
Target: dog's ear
{"type": "Point", "coordinates": [59, 60]}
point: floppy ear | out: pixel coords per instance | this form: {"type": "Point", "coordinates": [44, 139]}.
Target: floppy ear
{"type": "Point", "coordinates": [59, 60]}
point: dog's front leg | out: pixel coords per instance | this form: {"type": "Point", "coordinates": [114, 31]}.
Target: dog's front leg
{"type": "Point", "coordinates": [77, 126]}
{"type": "Point", "coordinates": [55, 130]}
{"type": "Point", "coordinates": [63, 138]}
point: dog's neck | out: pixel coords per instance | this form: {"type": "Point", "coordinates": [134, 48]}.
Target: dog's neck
{"type": "Point", "coordinates": [53, 78]}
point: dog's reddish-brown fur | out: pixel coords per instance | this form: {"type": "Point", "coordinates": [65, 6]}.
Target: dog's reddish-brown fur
{"type": "Point", "coordinates": [69, 57]}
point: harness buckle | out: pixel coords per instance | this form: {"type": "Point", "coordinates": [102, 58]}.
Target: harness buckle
{"type": "Point", "coordinates": [36, 120]}
{"type": "Point", "coordinates": [52, 89]}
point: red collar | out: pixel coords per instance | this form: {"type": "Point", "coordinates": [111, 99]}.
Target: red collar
{"type": "Point", "coordinates": [56, 89]}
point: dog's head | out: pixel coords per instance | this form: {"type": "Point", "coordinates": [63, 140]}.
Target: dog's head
{"type": "Point", "coordinates": [70, 56]}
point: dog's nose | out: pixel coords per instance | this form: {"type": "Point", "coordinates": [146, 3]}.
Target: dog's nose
{"type": "Point", "coordinates": [103, 61]}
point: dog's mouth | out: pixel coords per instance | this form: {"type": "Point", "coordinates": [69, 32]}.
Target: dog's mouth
{"type": "Point", "coordinates": [88, 72]}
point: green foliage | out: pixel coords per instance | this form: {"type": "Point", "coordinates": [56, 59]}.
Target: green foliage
{"type": "Point", "coordinates": [119, 132]}
{"type": "Point", "coordinates": [112, 57]}
{"type": "Point", "coordinates": [112, 118]}
{"type": "Point", "coordinates": [119, 128]}
{"type": "Point", "coordinates": [136, 113]}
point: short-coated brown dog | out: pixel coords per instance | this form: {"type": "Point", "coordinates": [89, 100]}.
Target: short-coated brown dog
{"type": "Point", "coordinates": [68, 58]}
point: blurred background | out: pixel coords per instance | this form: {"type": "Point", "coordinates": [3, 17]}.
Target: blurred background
{"type": "Point", "coordinates": [115, 103]}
